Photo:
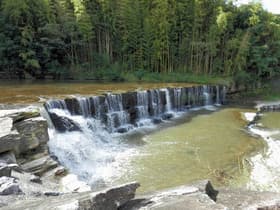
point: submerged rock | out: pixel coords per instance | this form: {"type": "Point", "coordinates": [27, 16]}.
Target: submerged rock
{"type": "Point", "coordinates": [167, 116]}
{"type": "Point", "coordinates": [63, 124]}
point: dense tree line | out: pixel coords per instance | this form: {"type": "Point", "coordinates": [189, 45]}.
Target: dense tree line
{"type": "Point", "coordinates": [64, 37]}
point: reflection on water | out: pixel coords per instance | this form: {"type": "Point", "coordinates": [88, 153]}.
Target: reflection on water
{"type": "Point", "coordinates": [271, 121]}
{"type": "Point", "coordinates": [209, 146]}
{"type": "Point", "coordinates": [18, 92]}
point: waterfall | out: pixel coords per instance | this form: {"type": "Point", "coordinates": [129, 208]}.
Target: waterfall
{"type": "Point", "coordinates": [83, 132]}
{"type": "Point", "coordinates": [85, 106]}
{"type": "Point", "coordinates": [56, 104]}
{"type": "Point", "coordinates": [218, 100]}
{"type": "Point", "coordinates": [168, 106]}
{"type": "Point", "coordinates": [116, 117]}
{"type": "Point", "coordinates": [207, 95]}
{"type": "Point", "coordinates": [142, 105]}
{"type": "Point", "coordinates": [121, 112]}
{"type": "Point", "coordinates": [156, 105]}
{"type": "Point", "coordinates": [177, 98]}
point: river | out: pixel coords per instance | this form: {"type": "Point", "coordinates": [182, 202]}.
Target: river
{"type": "Point", "coordinates": [209, 142]}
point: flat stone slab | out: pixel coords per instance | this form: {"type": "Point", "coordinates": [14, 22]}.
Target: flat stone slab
{"type": "Point", "coordinates": [180, 198]}
{"type": "Point", "coordinates": [40, 166]}
{"type": "Point", "coordinates": [240, 199]}
{"type": "Point", "coordinates": [109, 199]}
{"type": "Point", "coordinates": [197, 201]}
{"type": "Point", "coordinates": [6, 125]}
{"type": "Point", "coordinates": [8, 138]}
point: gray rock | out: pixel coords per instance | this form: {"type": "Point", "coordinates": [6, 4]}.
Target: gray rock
{"type": "Point", "coordinates": [35, 179]}
{"type": "Point", "coordinates": [33, 133]}
{"type": "Point", "coordinates": [63, 124]}
{"type": "Point", "coordinates": [52, 193]}
{"type": "Point", "coordinates": [157, 120]}
{"type": "Point", "coordinates": [8, 158]}
{"type": "Point", "coordinates": [9, 186]}
{"type": "Point", "coordinates": [207, 188]}
{"type": "Point", "coordinates": [21, 116]}
{"type": "Point", "coordinates": [193, 196]}
{"type": "Point", "coordinates": [16, 167]}
{"type": "Point", "coordinates": [5, 170]}
{"type": "Point", "coordinates": [167, 116]}
{"type": "Point", "coordinates": [239, 199]}
{"type": "Point", "coordinates": [110, 199]}
{"type": "Point", "coordinates": [9, 141]}
{"type": "Point", "coordinates": [40, 166]}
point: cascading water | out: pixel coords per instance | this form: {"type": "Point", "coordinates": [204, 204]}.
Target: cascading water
{"type": "Point", "coordinates": [207, 95]}
{"type": "Point", "coordinates": [156, 105]}
{"type": "Point", "coordinates": [83, 132]}
{"type": "Point", "coordinates": [92, 153]}
{"type": "Point", "coordinates": [116, 116]}
{"type": "Point", "coordinates": [142, 105]}
{"type": "Point", "coordinates": [168, 106]}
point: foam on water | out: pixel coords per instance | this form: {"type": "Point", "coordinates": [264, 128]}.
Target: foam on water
{"type": "Point", "coordinates": [93, 154]}
{"type": "Point", "coordinates": [265, 165]}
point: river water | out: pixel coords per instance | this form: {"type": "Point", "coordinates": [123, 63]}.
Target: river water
{"type": "Point", "coordinates": [32, 92]}
{"type": "Point", "coordinates": [207, 146]}
{"type": "Point", "coordinates": [207, 143]}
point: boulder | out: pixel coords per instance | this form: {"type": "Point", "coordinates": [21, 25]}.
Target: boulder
{"type": "Point", "coordinates": [18, 117]}
{"type": "Point", "coordinates": [33, 133]}
{"type": "Point", "coordinates": [9, 142]}
{"type": "Point", "coordinates": [110, 199]}
{"type": "Point", "coordinates": [63, 124]}
{"type": "Point", "coordinates": [40, 166]}
{"type": "Point", "coordinates": [9, 186]}
{"type": "Point", "coordinates": [9, 138]}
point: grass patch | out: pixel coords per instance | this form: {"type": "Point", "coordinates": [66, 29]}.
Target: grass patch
{"type": "Point", "coordinates": [174, 77]}
{"type": "Point", "coordinates": [116, 74]}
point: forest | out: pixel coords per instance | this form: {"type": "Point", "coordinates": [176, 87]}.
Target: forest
{"type": "Point", "coordinates": [106, 39]}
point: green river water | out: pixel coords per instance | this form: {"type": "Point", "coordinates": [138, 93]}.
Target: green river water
{"type": "Point", "coordinates": [207, 146]}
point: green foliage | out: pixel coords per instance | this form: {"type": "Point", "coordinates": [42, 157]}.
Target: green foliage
{"type": "Point", "coordinates": [167, 40]}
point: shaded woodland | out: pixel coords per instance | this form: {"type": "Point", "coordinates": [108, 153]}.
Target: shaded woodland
{"type": "Point", "coordinates": [99, 38]}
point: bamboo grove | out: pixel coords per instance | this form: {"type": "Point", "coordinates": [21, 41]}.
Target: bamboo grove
{"type": "Point", "coordinates": [211, 37]}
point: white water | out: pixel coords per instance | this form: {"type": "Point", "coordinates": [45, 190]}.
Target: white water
{"type": "Point", "coordinates": [168, 106]}
{"type": "Point", "coordinates": [265, 165]}
{"type": "Point", "coordinates": [93, 154]}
